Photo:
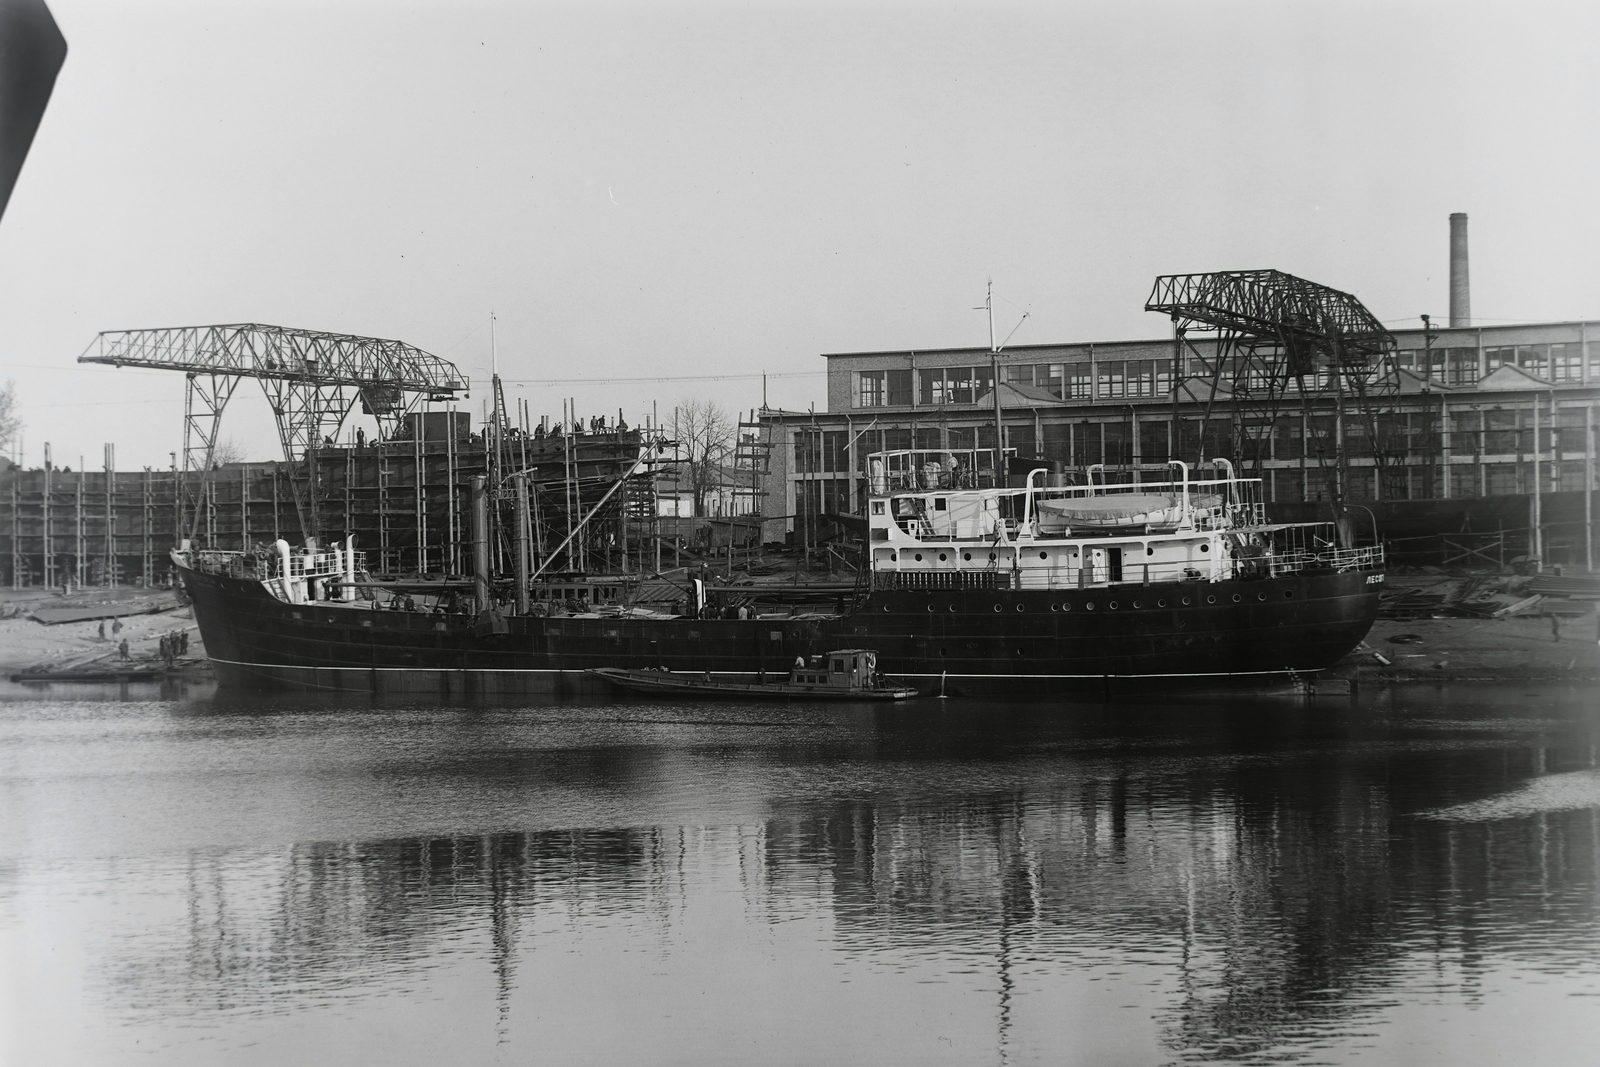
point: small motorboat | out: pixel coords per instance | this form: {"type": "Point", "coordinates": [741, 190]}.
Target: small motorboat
{"type": "Point", "coordinates": [848, 674]}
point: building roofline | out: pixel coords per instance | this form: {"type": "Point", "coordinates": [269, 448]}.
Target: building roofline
{"type": "Point", "coordinates": [1439, 330]}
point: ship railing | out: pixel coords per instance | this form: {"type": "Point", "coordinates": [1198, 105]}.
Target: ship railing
{"type": "Point", "coordinates": [322, 564]}
{"type": "Point", "coordinates": [914, 469]}
{"type": "Point", "coordinates": [1367, 557]}
{"type": "Point", "coordinates": [228, 564]}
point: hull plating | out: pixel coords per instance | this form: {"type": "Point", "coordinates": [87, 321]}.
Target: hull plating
{"type": "Point", "coordinates": [1087, 643]}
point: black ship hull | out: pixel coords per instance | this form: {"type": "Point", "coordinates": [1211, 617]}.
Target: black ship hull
{"type": "Point", "coordinates": [1072, 644]}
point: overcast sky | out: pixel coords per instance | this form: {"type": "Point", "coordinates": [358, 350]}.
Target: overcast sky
{"type": "Point", "coordinates": [667, 189]}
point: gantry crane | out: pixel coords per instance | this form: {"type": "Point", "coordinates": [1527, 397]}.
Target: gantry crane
{"type": "Point", "coordinates": [311, 379]}
{"type": "Point", "coordinates": [1273, 335]}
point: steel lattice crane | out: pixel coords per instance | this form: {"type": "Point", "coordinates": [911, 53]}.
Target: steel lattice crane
{"type": "Point", "coordinates": [1276, 335]}
{"type": "Point", "coordinates": [311, 379]}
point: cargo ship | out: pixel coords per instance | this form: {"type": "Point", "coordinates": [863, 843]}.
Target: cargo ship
{"type": "Point", "coordinates": [975, 580]}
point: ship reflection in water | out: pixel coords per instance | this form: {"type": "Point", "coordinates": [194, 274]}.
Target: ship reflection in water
{"type": "Point", "coordinates": [1412, 879]}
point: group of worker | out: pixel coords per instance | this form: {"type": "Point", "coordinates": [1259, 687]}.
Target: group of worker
{"type": "Point", "coordinates": [173, 645]}
{"type": "Point", "coordinates": [597, 424]}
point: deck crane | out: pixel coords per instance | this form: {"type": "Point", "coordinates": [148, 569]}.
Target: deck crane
{"type": "Point", "coordinates": [312, 380]}
{"type": "Point", "coordinates": [1274, 335]}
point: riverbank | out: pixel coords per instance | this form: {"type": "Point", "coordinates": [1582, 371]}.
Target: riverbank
{"type": "Point", "coordinates": [1476, 650]}
{"type": "Point", "coordinates": [27, 644]}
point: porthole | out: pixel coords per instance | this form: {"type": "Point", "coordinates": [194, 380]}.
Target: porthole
{"type": "Point", "coordinates": [997, 607]}
{"type": "Point", "coordinates": [1161, 603]}
{"type": "Point", "coordinates": [1019, 607]}
{"type": "Point", "coordinates": [942, 557]}
{"type": "Point", "coordinates": [1211, 600]}
{"type": "Point", "coordinates": [893, 557]}
{"type": "Point", "coordinates": [1237, 598]}
{"type": "Point", "coordinates": [1288, 594]}
{"type": "Point", "coordinates": [966, 555]}
{"type": "Point", "coordinates": [1135, 605]}
{"type": "Point", "coordinates": [1055, 607]}
{"type": "Point", "coordinates": [1185, 601]}
{"type": "Point", "coordinates": [930, 607]}
{"type": "Point", "coordinates": [950, 607]}
{"type": "Point", "coordinates": [1089, 606]}
{"type": "Point", "coordinates": [919, 557]}
{"type": "Point", "coordinates": [1203, 548]}
{"type": "Point", "coordinates": [1066, 607]}
{"type": "Point", "coordinates": [942, 652]}
{"type": "Point", "coordinates": [1149, 551]}
{"type": "Point", "coordinates": [991, 557]}
{"type": "Point", "coordinates": [1261, 596]}
{"type": "Point", "coordinates": [1044, 555]}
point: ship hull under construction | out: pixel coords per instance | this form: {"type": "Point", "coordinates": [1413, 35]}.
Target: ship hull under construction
{"type": "Point", "coordinates": [1084, 644]}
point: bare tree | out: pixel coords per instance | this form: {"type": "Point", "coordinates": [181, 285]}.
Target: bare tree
{"type": "Point", "coordinates": [228, 451]}
{"type": "Point", "coordinates": [10, 422]}
{"type": "Point", "coordinates": [705, 440]}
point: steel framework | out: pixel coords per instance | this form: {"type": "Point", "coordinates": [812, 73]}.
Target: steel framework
{"type": "Point", "coordinates": [311, 379]}
{"type": "Point", "coordinates": [1275, 335]}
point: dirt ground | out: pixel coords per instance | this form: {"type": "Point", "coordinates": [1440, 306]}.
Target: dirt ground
{"type": "Point", "coordinates": [27, 644]}
{"type": "Point", "coordinates": [1511, 649]}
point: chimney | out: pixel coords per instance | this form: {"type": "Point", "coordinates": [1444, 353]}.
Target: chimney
{"type": "Point", "coordinates": [1460, 295]}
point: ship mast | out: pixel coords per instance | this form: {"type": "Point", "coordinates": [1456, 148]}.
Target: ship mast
{"type": "Point", "coordinates": [994, 391]}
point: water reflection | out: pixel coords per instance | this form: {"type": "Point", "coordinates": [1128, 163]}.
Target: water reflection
{"type": "Point", "coordinates": [1263, 883]}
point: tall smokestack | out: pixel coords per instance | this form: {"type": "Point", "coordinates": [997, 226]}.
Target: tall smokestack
{"type": "Point", "coordinates": [1460, 293]}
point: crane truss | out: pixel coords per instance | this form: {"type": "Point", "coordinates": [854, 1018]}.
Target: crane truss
{"type": "Point", "coordinates": [311, 379]}
{"type": "Point", "coordinates": [1275, 336]}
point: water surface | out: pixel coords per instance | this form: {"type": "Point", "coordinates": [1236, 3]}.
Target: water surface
{"type": "Point", "coordinates": [196, 879]}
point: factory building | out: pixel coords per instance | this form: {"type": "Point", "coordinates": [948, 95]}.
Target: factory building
{"type": "Point", "coordinates": [1466, 411]}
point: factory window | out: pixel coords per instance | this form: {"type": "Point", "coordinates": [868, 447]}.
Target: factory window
{"type": "Point", "coordinates": [954, 385]}
{"type": "Point", "coordinates": [1464, 479]}
{"type": "Point", "coordinates": [1286, 440]}
{"type": "Point", "coordinates": [1361, 484]}
{"type": "Point", "coordinates": [867, 442]}
{"type": "Point", "coordinates": [1050, 377]}
{"type": "Point", "coordinates": [1566, 363]}
{"type": "Point", "coordinates": [1571, 475]}
{"type": "Point", "coordinates": [1119, 442]}
{"type": "Point", "coordinates": [1500, 433]}
{"type": "Point", "coordinates": [899, 387]}
{"type": "Point", "coordinates": [962, 437]}
{"type": "Point", "coordinates": [1152, 441]}
{"type": "Point", "coordinates": [1080, 385]}
{"type": "Point", "coordinates": [1134, 377]}
{"type": "Point", "coordinates": [1111, 381]}
{"type": "Point", "coordinates": [807, 445]}
{"type": "Point", "coordinates": [1023, 439]}
{"type": "Point", "coordinates": [869, 389]}
{"type": "Point", "coordinates": [1058, 442]}
{"type": "Point", "coordinates": [1466, 432]}
{"type": "Point", "coordinates": [818, 451]}
{"type": "Point", "coordinates": [896, 440]}
{"type": "Point", "coordinates": [1498, 357]}
{"type": "Point", "coordinates": [1500, 479]}
{"type": "Point", "coordinates": [1086, 444]}
{"type": "Point", "coordinates": [1462, 366]}
{"type": "Point", "coordinates": [926, 437]}
{"type": "Point", "coordinates": [1535, 359]}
